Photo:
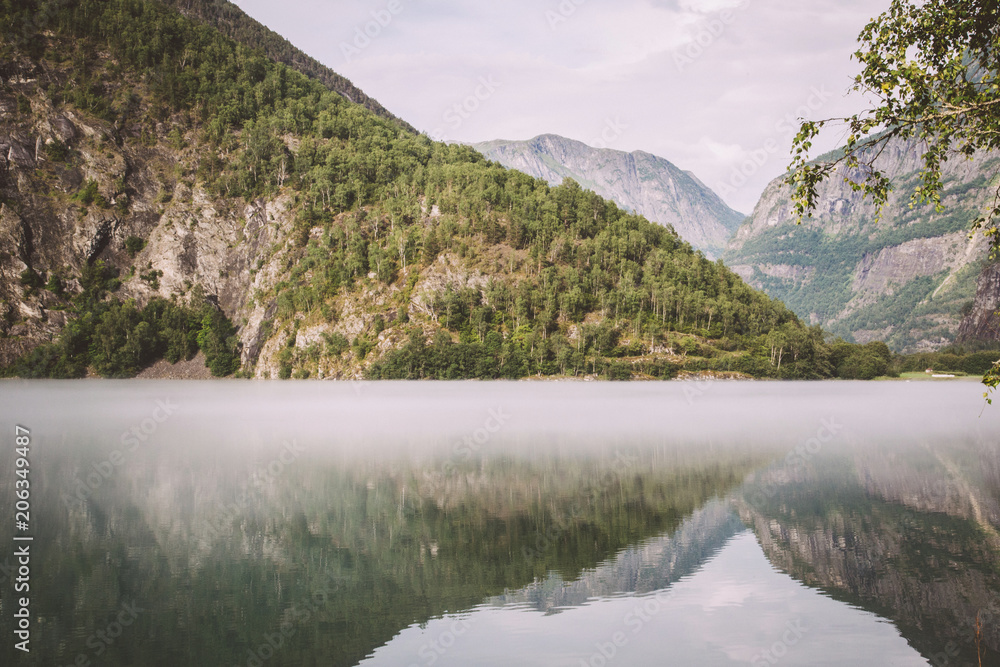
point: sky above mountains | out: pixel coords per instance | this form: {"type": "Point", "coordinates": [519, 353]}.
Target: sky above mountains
{"type": "Point", "coordinates": [714, 86]}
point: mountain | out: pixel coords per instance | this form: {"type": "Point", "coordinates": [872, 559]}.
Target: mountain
{"type": "Point", "coordinates": [167, 191]}
{"type": "Point", "coordinates": [907, 279]}
{"type": "Point", "coordinates": [639, 181]}
{"type": "Point", "coordinates": [233, 22]}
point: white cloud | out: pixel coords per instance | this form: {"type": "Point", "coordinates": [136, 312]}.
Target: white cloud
{"type": "Point", "coordinates": [727, 154]}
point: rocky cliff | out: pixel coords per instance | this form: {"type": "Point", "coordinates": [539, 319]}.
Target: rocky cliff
{"type": "Point", "coordinates": [982, 323]}
{"type": "Point", "coordinates": [138, 189]}
{"type": "Point", "coordinates": [905, 279]}
{"type": "Point", "coordinates": [639, 181]}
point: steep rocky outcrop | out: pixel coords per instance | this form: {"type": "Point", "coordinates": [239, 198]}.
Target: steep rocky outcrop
{"type": "Point", "coordinates": [983, 321]}
{"type": "Point", "coordinates": [639, 181]}
{"type": "Point", "coordinates": [905, 278]}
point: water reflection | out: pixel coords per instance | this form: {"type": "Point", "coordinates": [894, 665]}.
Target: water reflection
{"type": "Point", "coordinates": [248, 524]}
{"type": "Point", "coordinates": [906, 529]}
{"type": "Point", "coordinates": [734, 608]}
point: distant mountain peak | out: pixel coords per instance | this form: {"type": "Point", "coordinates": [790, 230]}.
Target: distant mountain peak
{"type": "Point", "coordinates": [638, 181]}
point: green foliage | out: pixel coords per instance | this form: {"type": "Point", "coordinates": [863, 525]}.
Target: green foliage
{"type": "Point", "coordinates": [992, 380]}
{"type": "Point", "coordinates": [933, 67]}
{"type": "Point", "coordinates": [133, 245]}
{"type": "Point", "coordinates": [88, 194]}
{"type": "Point", "coordinates": [362, 345]}
{"type": "Point", "coordinates": [55, 284]}
{"type": "Point", "coordinates": [30, 279]}
{"type": "Point", "coordinates": [231, 21]}
{"type": "Point", "coordinates": [152, 278]}
{"type": "Point", "coordinates": [217, 339]}
{"type": "Point", "coordinates": [865, 362]}
{"type": "Point", "coordinates": [444, 359]}
{"type": "Point", "coordinates": [57, 151]}
{"type": "Point", "coordinates": [336, 344]}
{"type": "Point", "coordinates": [949, 360]}
{"type": "Point", "coordinates": [118, 339]}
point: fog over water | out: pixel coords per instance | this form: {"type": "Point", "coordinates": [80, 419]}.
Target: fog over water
{"type": "Point", "coordinates": [302, 523]}
{"type": "Point", "coordinates": [355, 417]}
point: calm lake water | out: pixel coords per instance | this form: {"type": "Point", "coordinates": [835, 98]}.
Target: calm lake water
{"type": "Point", "coordinates": [578, 524]}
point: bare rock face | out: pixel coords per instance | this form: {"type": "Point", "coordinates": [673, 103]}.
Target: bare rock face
{"type": "Point", "coordinates": [983, 322]}
{"type": "Point", "coordinates": [74, 189]}
{"type": "Point", "coordinates": [63, 128]}
{"type": "Point", "coordinates": [902, 278]}
{"type": "Point", "coordinates": [639, 181]}
{"type": "Point", "coordinates": [12, 234]}
{"type": "Point", "coordinates": [17, 150]}
{"type": "Point", "coordinates": [896, 265]}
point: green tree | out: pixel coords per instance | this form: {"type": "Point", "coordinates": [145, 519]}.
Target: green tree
{"type": "Point", "coordinates": [933, 68]}
{"type": "Point", "coordinates": [217, 339]}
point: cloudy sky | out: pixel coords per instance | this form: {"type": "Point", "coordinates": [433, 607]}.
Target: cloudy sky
{"type": "Point", "coordinates": [714, 86]}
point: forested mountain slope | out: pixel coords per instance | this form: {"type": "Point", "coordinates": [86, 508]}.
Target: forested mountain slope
{"type": "Point", "coordinates": [233, 22]}
{"type": "Point", "coordinates": [638, 181]}
{"type": "Point", "coordinates": [167, 190]}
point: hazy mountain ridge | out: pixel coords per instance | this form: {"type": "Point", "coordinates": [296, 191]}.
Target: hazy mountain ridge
{"type": "Point", "coordinates": [639, 181]}
{"type": "Point", "coordinates": [908, 279]}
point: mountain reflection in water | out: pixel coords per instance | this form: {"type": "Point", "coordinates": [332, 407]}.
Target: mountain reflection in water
{"type": "Point", "coordinates": [518, 523]}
